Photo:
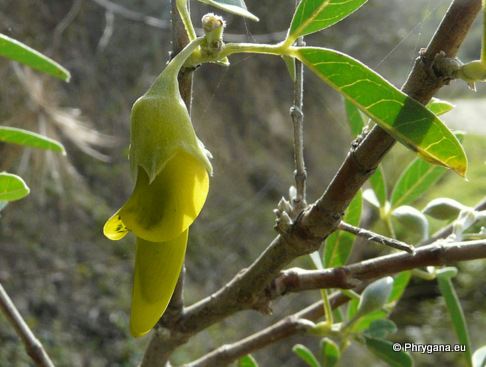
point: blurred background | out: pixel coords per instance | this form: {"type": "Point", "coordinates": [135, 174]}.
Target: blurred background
{"type": "Point", "coordinates": [73, 285]}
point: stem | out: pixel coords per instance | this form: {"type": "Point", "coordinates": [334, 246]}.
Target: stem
{"type": "Point", "coordinates": [259, 48]}
{"type": "Point", "coordinates": [297, 115]}
{"type": "Point", "coordinates": [375, 237]}
{"type": "Point", "coordinates": [327, 308]}
{"type": "Point", "coordinates": [32, 345]}
{"type": "Point", "coordinates": [186, 19]}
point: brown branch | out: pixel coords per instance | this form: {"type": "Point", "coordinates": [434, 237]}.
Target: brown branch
{"type": "Point", "coordinates": [298, 280]}
{"type": "Point", "coordinates": [375, 237]}
{"type": "Point", "coordinates": [347, 277]}
{"type": "Point", "coordinates": [316, 223]}
{"type": "Point", "coordinates": [32, 345]}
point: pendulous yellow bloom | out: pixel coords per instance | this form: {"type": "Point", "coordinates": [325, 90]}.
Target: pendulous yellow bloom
{"type": "Point", "coordinates": [172, 171]}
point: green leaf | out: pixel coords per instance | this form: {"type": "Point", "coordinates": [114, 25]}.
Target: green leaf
{"type": "Point", "coordinates": [413, 220]}
{"type": "Point", "coordinates": [408, 121]}
{"type": "Point", "coordinates": [354, 118]}
{"type": "Point", "coordinates": [417, 178]}
{"type": "Point", "coordinates": [364, 322]}
{"type": "Point", "coordinates": [306, 355]}
{"type": "Point", "coordinates": [456, 314]}
{"type": "Point", "coordinates": [290, 63]}
{"type": "Point", "coordinates": [237, 7]}
{"type": "Point", "coordinates": [380, 329]}
{"type": "Point", "coordinates": [399, 285]}
{"type": "Point", "coordinates": [22, 53]}
{"type": "Point", "coordinates": [439, 107]}
{"type": "Point", "coordinates": [329, 353]}
{"type": "Point", "coordinates": [479, 357]}
{"type": "Point", "coordinates": [378, 185]}
{"type": "Point", "coordinates": [247, 361]}
{"type": "Point", "coordinates": [315, 15]}
{"type": "Point", "coordinates": [384, 350]}
{"type": "Point", "coordinates": [339, 244]}
{"type": "Point", "coordinates": [12, 187]}
{"type": "Point", "coordinates": [30, 139]}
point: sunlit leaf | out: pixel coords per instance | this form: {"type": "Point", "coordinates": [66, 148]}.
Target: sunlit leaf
{"type": "Point", "coordinates": [237, 7]}
{"type": "Point", "coordinates": [30, 139]}
{"type": "Point", "coordinates": [329, 353]}
{"type": "Point", "coordinates": [314, 15]}
{"type": "Point", "coordinates": [22, 53]}
{"type": "Point", "coordinates": [247, 361]}
{"type": "Point", "coordinates": [399, 285]}
{"type": "Point", "coordinates": [290, 63]}
{"type": "Point", "coordinates": [439, 107]}
{"type": "Point", "coordinates": [306, 355]}
{"type": "Point", "coordinates": [339, 244]}
{"type": "Point", "coordinates": [354, 118]}
{"type": "Point", "coordinates": [457, 315]}
{"type": "Point", "coordinates": [404, 118]}
{"type": "Point", "coordinates": [417, 178]}
{"type": "Point", "coordinates": [12, 187]}
{"type": "Point", "coordinates": [384, 350]}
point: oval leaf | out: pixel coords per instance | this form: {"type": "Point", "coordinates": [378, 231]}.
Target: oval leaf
{"type": "Point", "coordinates": [439, 107]}
{"type": "Point", "coordinates": [457, 315]}
{"type": "Point", "coordinates": [237, 7]}
{"type": "Point", "coordinates": [408, 121]}
{"type": "Point", "coordinates": [384, 350]}
{"type": "Point", "coordinates": [306, 355]}
{"type": "Point", "coordinates": [30, 139]}
{"type": "Point", "coordinates": [417, 178]}
{"type": "Point", "coordinates": [12, 187]}
{"type": "Point", "coordinates": [329, 353]}
{"type": "Point", "coordinates": [315, 15]}
{"type": "Point", "coordinates": [247, 361]}
{"type": "Point", "coordinates": [339, 244]}
{"type": "Point", "coordinates": [22, 53]}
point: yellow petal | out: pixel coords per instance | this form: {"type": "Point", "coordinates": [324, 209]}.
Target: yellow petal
{"type": "Point", "coordinates": [157, 269]}
{"type": "Point", "coordinates": [162, 210]}
{"type": "Point", "coordinates": [114, 228]}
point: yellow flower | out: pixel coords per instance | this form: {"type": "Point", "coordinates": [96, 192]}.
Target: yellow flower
{"type": "Point", "coordinates": [172, 181]}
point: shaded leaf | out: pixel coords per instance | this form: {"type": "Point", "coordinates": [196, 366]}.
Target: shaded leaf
{"type": "Point", "coordinates": [378, 184]}
{"type": "Point", "coordinates": [354, 118]}
{"type": "Point", "coordinates": [408, 121]}
{"type": "Point", "coordinates": [329, 353]}
{"type": "Point", "coordinates": [237, 7]}
{"type": "Point", "coordinates": [12, 187]}
{"type": "Point", "coordinates": [384, 350]}
{"type": "Point", "coordinates": [439, 107]}
{"type": "Point", "coordinates": [30, 139]}
{"type": "Point", "coordinates": [380, 329]}
{"type": "Point", "coordinates": [417, 178]}
{"type": "Point", "coordinates": [247, 361]}
{"type": "Point", "coordinates": [22, 53]}
{"type": "Point", "coordinates": [339, 244]}
{"type": "Point", "coordinates": [315, 15]}
{"type": "Point", "coordinates": [306, 355]}
{"type": "Point", "coordinates": [456, 314]}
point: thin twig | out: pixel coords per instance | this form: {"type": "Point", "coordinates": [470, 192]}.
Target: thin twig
{"type": "Point", "coordinates": [375, 237]}
{"type": "Point", "coordinates": [32, 345]}
{"type": "Point", "coordinates": [297, 114]}
{"type": "Point", "coordinates": [297, 280]}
